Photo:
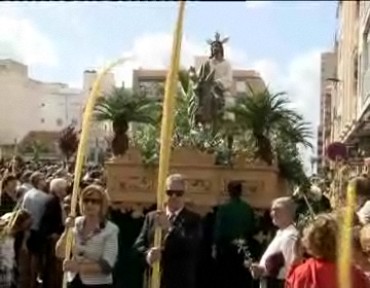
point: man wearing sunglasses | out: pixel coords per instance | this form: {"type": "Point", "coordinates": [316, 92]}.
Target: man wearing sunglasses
{"type": "Point", "coordinates": [181, 236]}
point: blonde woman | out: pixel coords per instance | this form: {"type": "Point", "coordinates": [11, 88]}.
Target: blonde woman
{"type": "Point", "coordinates": [95, 245]}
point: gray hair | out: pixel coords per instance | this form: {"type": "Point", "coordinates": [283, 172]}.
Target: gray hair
{"type": "Point", "coordinates": [287, 203]}
{"type": "Point", "coordinates": [57, 183]}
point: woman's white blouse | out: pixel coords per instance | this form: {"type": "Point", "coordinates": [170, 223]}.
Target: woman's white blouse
{"type": "Point", "coordinates": [101, 246]}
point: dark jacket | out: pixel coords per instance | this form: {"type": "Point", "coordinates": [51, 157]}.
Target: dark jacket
{"type": "Point", "coordinates": [181, 244]}
{"type": "Point", "coordinates": [52, 220]}
{"type": "Point", "coordinates": [7, 204]}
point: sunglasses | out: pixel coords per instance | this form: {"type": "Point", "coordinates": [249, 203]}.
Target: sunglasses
{"type": "Point", "coordinates": [176, 193]}
{"type": "Point", "coordinates": [92, 201]}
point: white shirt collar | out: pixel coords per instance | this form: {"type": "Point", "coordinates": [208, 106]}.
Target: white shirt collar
{"type": "Point", "coordinates": [288, 228]}
{"type": "Point", "coordinates": [176, 213]}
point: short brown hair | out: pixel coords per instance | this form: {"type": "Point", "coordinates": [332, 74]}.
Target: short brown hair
{"type": "Point", "coordinates": [35, 178]}
{"type": "Point", "coordinates": [7, 179]}
{"type": "Point", "coordinates": [320, 237]}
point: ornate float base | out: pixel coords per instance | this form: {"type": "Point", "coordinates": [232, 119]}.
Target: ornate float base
{"type": "Point", "coordinates": [132, 185]}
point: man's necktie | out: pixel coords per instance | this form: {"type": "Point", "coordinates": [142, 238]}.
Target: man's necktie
{"type": "Point", "coordinates": [172, 218]}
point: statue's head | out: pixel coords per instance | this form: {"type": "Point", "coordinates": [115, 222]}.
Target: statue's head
{"type": "Point", "coordinates": [217, 46]}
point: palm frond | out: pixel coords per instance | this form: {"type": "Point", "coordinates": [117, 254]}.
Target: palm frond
{"type": "Point", "coordinates": [184, 81]}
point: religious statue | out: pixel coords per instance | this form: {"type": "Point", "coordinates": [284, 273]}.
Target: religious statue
{"type": "Point", "coordinates": [212, 84]}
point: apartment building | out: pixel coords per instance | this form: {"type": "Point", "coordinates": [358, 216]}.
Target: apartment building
{"type": "Point", "coordinates": [327, 76]}
{"type": "Point", "coordinates": [30, 106]}
{"type": "Point", "coordinates": [347, 91]}
{"type": "Point", "coordinates": [152, 81]}
{"type": "Point", "coordinates": [351, 104]}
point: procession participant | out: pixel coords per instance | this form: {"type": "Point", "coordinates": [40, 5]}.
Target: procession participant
{"type": "Point", "coordinates": [34, 201]}
{"type": "Point", "coordinates": [8, 192]}
{"type": "Point", "coordinates": [320, 270]}
{"type": "Point", "coordinates": [234, 222]}
{"type": "Point", "coordinates": [362, 188]}
{"type": "Point", "coordinates": [182, 234]}
{"type": "Point", "coordinates": [8, 259]}
{"type": "Point", "coordinates": [359, 254]}
{"type": "Point", "coordinates": [52, 225]}
{"type": "Point", "coordinates": [95, 247]}
{"type": "Point", "coordinates": [25, 180]}
{"type": "Point", "coordinates": [365, 246]}
{"type": "Point", "coordinates": [279, 255]}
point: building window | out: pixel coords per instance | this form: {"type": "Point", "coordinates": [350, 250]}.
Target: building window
{"type": "Point", "coordinates": [59, 122]}
{"type": "Point", "coordinates": [74, 121]}
{"type": "Point", "coordinates": [152, 88]}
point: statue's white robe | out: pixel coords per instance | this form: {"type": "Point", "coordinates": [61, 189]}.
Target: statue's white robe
{"type": "Point", "coordinates": [224, 75]}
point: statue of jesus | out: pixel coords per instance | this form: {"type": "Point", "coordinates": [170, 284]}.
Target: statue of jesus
{"type": "Point", "coordinates": [223, 76]}
{"type": "Point", "coordinates": [213, 86]}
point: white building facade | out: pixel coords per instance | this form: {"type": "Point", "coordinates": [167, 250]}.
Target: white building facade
{"type": "Point", "coordinates": [364, 57]}
{"type": "Point", "coordinates": [100, 132]}
{"type": "Point", "coordinates": [29, 105]}
{"type": "Point", "coordinates": [60, 108]}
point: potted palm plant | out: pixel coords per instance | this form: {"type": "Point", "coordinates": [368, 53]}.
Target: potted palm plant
{"type": "Point", "coordinates": [122, 107]}
{"type": "Point", "coordinates": [266, 116]}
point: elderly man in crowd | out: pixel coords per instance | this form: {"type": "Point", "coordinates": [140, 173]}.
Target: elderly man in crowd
{"type": "Point", "coordinates": [8, 197]}
{"type": "Point", "coordinates": [279, 255]}
{"type": "Point", "coordinates": [52, 226]}
{"type": "Point", "coordinates": [182, 234]}
{"type": "Point", "coordinates": [34, 201]}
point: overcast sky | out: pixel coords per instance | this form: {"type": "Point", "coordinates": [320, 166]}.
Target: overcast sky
{"type": "Point", "coordinates": [282, 40]}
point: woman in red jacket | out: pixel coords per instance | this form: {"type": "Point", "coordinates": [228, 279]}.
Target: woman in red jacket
{"type": "Point", "coordinates": [320, 270]}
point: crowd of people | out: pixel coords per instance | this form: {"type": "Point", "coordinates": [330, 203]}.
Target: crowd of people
{"type": "Point", "coordinates": [35, 215]}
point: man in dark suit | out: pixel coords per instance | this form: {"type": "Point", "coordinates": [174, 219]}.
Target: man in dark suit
{"type": "Point", "coordinates": [181, 236]}
{"type": "Point", "coordinates": [52, 226]}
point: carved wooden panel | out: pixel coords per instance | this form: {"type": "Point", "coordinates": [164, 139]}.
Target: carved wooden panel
{"type": "Point", "coordinates": [135, 183]}
{"type": "Point", "coordinates": [206, 184]}
{"type": "Point", "coordinates": [199, 186]}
